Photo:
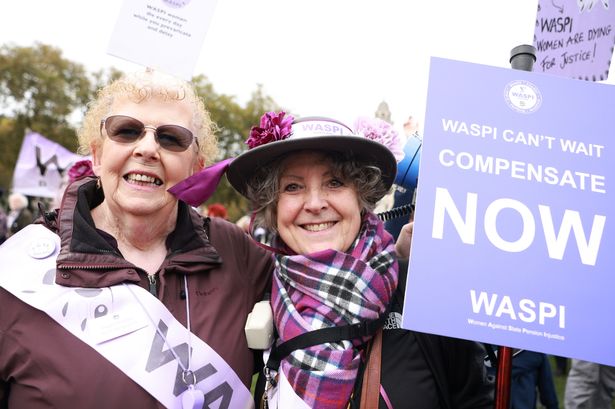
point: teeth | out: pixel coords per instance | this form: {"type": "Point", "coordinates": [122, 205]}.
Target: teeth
{"type": "Point", "coordinates": [137, 177]}
{"type": "Point", "coordinates": [318, 227]}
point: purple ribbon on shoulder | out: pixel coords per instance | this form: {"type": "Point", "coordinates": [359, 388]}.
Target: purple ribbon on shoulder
{"type": "Point", "coordinates": [199, 187]}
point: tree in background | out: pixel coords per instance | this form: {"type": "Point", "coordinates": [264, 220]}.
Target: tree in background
{"type": "Point", "coordinates": [39, 90]}
{"type": "Point", "coordinates": [234, 123]}
{"type": "Point", "coordinates": [47, 93]}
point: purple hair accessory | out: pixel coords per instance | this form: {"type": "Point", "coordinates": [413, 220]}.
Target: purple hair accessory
{"type": "Point", "coordinates": [273, 127]}
{"type": "Point", "coordinates": [381, 131]}
{"type": "Point", "coordinates": [80, 170]}
{"type": "Point", "coordinates": [199, 187]}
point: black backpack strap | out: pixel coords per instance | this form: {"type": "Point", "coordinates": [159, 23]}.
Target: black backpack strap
{"type": "Point", "coordinates": [324, 335]}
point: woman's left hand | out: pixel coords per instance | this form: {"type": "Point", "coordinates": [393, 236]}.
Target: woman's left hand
{"type": "Point", "coordinates": [402, 245]}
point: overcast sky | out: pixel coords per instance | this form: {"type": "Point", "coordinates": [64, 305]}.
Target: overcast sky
{"type": "Point", "coordinates": [337, 58]}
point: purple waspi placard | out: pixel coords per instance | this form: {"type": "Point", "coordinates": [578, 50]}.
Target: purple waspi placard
{"type": "Point", "coordinates": [575, 38]}
{"type": "Point", "coordinates": [512, 243]}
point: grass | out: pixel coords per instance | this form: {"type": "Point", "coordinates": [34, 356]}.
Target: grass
{"type": "Point", "coordinates": [254, 378]}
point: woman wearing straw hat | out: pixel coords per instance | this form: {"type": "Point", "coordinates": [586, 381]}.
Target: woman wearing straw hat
{"type": "Point", "coordinates": [314, 182]}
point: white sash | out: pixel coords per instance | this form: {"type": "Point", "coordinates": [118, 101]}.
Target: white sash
{"type": "Point", "coordinates": [112, 322]}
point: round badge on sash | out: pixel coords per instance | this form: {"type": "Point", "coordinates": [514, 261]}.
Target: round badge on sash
{"type": "Point", "coordinates": [41, 247]}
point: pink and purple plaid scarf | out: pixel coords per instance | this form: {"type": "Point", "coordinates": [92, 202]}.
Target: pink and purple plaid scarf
{"type": "Point", "coordinates": [332, 288]}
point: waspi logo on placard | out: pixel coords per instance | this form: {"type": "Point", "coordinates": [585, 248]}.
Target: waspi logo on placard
{"type": "Point", "coordinates": [522, 96]}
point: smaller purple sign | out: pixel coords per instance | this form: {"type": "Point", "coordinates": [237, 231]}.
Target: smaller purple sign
{"type": "Point", "coordinates": [574, 38]}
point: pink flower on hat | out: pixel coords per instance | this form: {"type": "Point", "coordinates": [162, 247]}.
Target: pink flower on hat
{"type": "Point", "coordinates": [273, 127]}
{"type": "Point", "coordinates": [80, 169]}
{"type": "Point", "coordinates": [380, 131]}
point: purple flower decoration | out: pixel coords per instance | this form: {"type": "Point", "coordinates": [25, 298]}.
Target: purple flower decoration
{"type": "Point", "coordinates": [80, 169]}
{"type": "Point", "coordinates": [381, 131]}
{"type": "Point", "coordinates": [273, 127]}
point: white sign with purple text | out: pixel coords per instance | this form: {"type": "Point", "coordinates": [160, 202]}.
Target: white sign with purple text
{"type": "Point", "coordinates": [163, 34]}
{"type": "Point", "coordinates": [512, 242]}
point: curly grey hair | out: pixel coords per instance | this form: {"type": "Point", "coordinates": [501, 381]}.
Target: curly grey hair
{"type": "Point", "coordinates": [263, 187]}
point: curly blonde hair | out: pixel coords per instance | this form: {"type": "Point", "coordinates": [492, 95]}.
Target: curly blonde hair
{"type": "Point", "coordinates": [141, 86]}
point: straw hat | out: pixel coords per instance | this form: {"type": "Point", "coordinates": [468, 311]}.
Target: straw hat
{"type": "Point", "coordinates": [278, 137]}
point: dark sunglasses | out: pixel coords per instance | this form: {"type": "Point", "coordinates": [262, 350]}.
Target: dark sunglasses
{"type": "Point", "coordinates": [126, 129]}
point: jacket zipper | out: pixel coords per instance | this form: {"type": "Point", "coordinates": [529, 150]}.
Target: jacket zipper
{"type": "Point", "coordinates": [153, 284]}
{"type": "Point", "coordinates": [92, 267]}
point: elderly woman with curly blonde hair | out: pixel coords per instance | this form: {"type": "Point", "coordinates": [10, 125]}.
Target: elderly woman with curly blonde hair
{"type": "Point", "coordinates": [127, 297]}
{"type": "Point", "coordinates": [314, 183]}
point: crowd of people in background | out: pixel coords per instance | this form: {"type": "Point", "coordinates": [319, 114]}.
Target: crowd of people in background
{"type": "Point", "coordinates": [17, 215]}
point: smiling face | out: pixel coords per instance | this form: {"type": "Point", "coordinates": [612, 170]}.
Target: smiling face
{"type": "Point", "coordinates": [135, 176]}
{"type": "Point", "coordinates": [316, 210]}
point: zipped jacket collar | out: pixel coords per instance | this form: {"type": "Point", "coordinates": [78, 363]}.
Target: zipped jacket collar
{"type": "Point", "coordinates": [87, 259]}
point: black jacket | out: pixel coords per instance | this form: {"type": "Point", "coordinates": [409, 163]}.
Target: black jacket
{"type": "Point", "coordinates": [425, 371]}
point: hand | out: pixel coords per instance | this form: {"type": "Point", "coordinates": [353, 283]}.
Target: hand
{"type": "Point", "coordinates": [402, 245]}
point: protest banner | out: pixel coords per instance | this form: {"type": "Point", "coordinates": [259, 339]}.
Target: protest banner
{"type": "Point", "coordinates": [42, 166]}
{"type": "Point", "coordinates": [511, 225]}
{"type": "Point", "coordinates": [166, 35]}
{"type": "Point", "coordinates": [575, 38]}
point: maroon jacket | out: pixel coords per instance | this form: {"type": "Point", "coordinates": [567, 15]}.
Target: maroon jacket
{"type": "Point", "coordinates": [42, 365]}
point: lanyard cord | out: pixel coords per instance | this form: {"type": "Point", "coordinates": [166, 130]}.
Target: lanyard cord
{"type": "Point", "coordinates": [186, 370]}
{"type": "Point", "coordinates": [188, 322]}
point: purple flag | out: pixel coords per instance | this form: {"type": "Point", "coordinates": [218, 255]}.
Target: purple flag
{"type": "Point", "coordinates": [42, 166]}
